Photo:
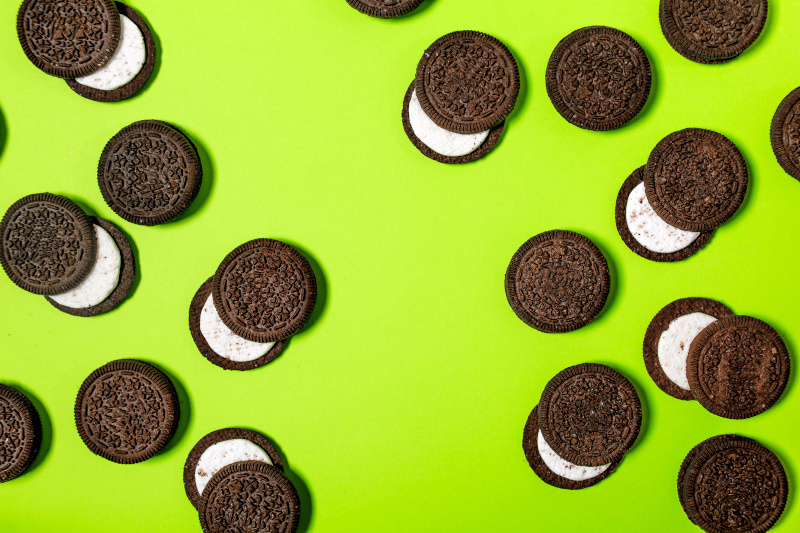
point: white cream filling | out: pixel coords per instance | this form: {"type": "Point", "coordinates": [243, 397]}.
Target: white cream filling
{"type": "Point", "coordinates": [673, 345]}
{"type": "Point", "coordinates": [438, 139]}
{"type": "Point", "coordinates": [126, 63]}
{"type": "Point", "coordinates": [224, 341]}
{"type": "Point", "coordinates": [564, 468]}
{"type": "Point", "coordinates": [226, 452]}
{"type": "Point", "coordinates": [102, 279]}
{"type": "Point", "coordinates": [650, 230]}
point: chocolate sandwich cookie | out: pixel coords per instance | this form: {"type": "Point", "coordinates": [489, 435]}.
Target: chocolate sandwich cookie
{"type": "Point", "coordinates": [127, 411]}
{"type": "Point", "coordinates": [695, 179]}
{"type": "Point", "coordinates": [647, 234]}
{"type": "Point", "coordinates": [219, 449]}
{"type": "Point", "coordinates": [68, 38]}
{"type": "Point", "coordinates": [48, 244]}
{"type": "Point", "coordinates": [130, 67]}
{"type": "Point", "coordinates": [785, 134]}
{"type": "Point", "coordinates": [264, 290]}
{"type": "Point", "coordinates": [738, 367]}
{"type": "Point", "coordinates": [115, 265]}
{"type": "Point", "coordinates": [467, 82]}
{"type": "Point", "coordinates": [669, 336]}
{"type": "Point", "coordinates": [735, 484]}
{"type": "Point", "coordinates": [149, 173]}
{"type": "Point", "coordinates": [712, 31]}
{"type": "Point", "coordinates": [249, 496]}
{"type": "Point", "coordinates": [554, 470]}
{"type": "Point", "coordinates": [219, 344]}
{"type": "Point", "coordinates": [440, 144]}
{"type": "Point", "coordinates": [590, 414]}
{"type": "Point", "coordinates": [557, 281]}
{"type": "Point", "coordinates": [598, 78]}
{"type": "Point", "coordinates": [20, 433]}
{"type": "Point", "coordinates": [385, 9]}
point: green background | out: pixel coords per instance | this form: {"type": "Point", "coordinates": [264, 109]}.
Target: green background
{"type": "Point", "coordinates": [401, 407]}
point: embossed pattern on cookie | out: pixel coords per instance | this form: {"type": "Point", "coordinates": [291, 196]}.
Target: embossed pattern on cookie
{"type": "Point", "coordinates": [20, 433]}
{"type": "Point", "coordinates": [785, 134]}
{"type": "Point", "coordinates": [385, 8]}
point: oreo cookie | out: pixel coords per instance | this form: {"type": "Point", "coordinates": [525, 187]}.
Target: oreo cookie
{"type": "Point", "coordinates": [249, 496]}
{"type": "Point", "coordinates": [738, 367]}
{"type": "Point", "coordinates": [558, 281]}
{"type": "Point", "coordinates": [127, 411]}
{"type": "Point", "coordinates": [598, 78]}
{"type": "Point", "coordinates": [264, 290]}
{"type": "Point", "coordinates": [219, 344]}
{"type": "Point", "coordinates": [385, 9]}
{"type": "Point", "coordinates": [221, 448]}
{"type": "Point", "coordinates": [647, 234]}
{"type": "Point", "coordinates": [669, 336]}
{"type": "Point", "coordinates": [734, 484]}
{"type": "Point", "coordinates": [695, 179]}
{"type": "Point", "coordinates": [554, 470]}
{"type": "Point", "coordinates": [20, 433]}
{"type": "Point", "coordinates": [149, 173]}
{"type": "Point", "coordinates": [784, 134]}
{"type": "Point", "coordinates": [590, 414]}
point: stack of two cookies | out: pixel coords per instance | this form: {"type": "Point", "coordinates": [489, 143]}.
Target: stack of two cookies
{"type": "Point", "coordinates": [467, 83]}
{"type": "Point", "coordinates": [262, 293]}
{"type": "Point", "coordinates": [588, 417]}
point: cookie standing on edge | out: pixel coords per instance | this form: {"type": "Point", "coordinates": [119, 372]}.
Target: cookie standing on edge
{"type": "Point", "coordinates": [385, 8]}
{"type": "Point", "coordinates": [558, 281]}
{"type": "Point", "coordinates": [598, 78]}
{"type": "Point", "coordinates": [20, 433]}
{"type": "Point", "coordinates": [785, 134]}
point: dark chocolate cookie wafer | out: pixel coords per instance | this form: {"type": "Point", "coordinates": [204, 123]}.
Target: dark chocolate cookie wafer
{"type": "Point", "coordinates": [127, 274]}
{"type": "Point", "coordinates": [48, 244]}
{"type": "Point", "coordinates": [695, 179]}
{"type": "Point", "coordinates": [127, 411]}
{"type": "Point", "coordinates": [785, 134]}
{"type": "Point", "coordinates": [735, 484]}
{"type": "Point", "coordinates": [195, 309]}
{"type": "Point", "coordinates": [738, 367]}
{"type": "Point", "coordinates": [264, 290]}
{"type": "Point", "coordinates": [467, 82]}
{"type": "Point", "coordinates": [530, 446]}
{"type": "Point", "coordinates": [249, 496]}
{"type": "Point", "coordinates": [20, 433]}
{"type": "Point", "coordinates": [149, 173]}
{"type": "Point", "coordinates": [133, 86]}
{"type": "Point", "coordinates": [385, 9]}
{"type": "Point", "coordinates": [712, 31]}
{"type": "Point", "coordinates": [620, 217]}
{"type": "Point", "coordinates": [598, 78]}
{"type": "Point", "coordinates": [662, 17]}
{"type": "Point", "coordinates": [660, 324]}
{"type": "Point", "coordinates": [215, 437]}
{"type": "Point", "coordinates": [485, 147]}
{"type": "Point", "coordinates": [590, 414]}
{"type": "Point", "coordinates": [68, 38]}
{"type": "Point", "coordinates": [557, 281]}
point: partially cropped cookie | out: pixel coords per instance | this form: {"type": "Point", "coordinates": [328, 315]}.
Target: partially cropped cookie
{"type": "Point", "coordinates": [785, 134]}
{"type": "Point", "coordinates": [385, 8]}
{"type": "Point", "coordinates": [20, 433]}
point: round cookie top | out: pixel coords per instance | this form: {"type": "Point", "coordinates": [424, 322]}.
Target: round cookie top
{"type": "Point", "coordinates": [249, 496]}
{"type": "Point", "coordinates": [264, 290]}
{"type": "Point", "coordinates": [785, 134]}
{"type": "Point", "coordinates": [713, 30]}
{"type": "Point", "coordinates": [557, 281]}
{"type": "Point", "coordinates": [695, 179]}
{"type": "Point", "coordinates": [467, 81]}
{"type": "Point", "coordinates": [385, 9]}
{"type": "Point", "coordinates": [20, 433]}
{"type": "Point", "coordinates": [738, 367]}
{"type": "Point", "coordinates": [149, 173]}
{"type": "Point", "coordinates": [48, 244]}
{"type": "Point", "coordinates": [590, 414]}
{"type": "Point", "coordinates": [735, 484]}
{"type": "Point", "coordinates": [598, 78]}
{"type": "Point", "coordinates": [126, 411]}
{"type": "Point", "coordinates": [68, 38]}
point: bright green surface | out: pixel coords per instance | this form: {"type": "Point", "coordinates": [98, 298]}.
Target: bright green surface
{"type": "Point", "coordinates": [402, 407]}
